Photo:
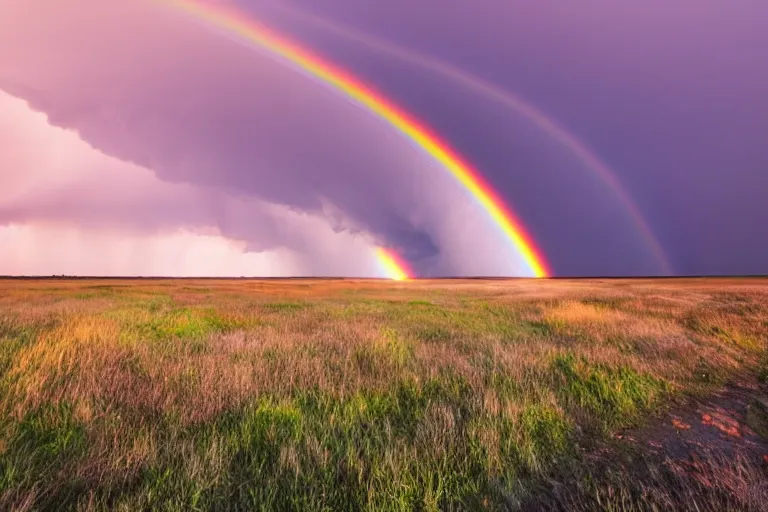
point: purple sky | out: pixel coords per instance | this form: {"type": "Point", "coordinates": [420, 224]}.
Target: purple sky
{"type": "Point", "coordinates": [129, 131]}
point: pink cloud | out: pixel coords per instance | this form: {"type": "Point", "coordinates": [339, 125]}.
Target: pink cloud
{"type": "Point", "coordinates": [203, 132]}
{"type": "Point", "coordinates": [68, 208]}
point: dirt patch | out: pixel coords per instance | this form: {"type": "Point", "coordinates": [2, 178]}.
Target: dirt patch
{"type": "Point", "coordinates": [718, 423]}
{"type": "Point", "coordinates": [703, 455]}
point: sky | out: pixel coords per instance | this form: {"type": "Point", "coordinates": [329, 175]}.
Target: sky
{"type": "Point", "coordinates": [628, 138]}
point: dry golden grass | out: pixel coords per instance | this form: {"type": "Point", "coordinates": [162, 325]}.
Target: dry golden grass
{"type": "Point", "coordinates": [146, 393]}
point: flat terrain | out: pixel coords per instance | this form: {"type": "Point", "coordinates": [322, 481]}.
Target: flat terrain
{"type": "Point", "coordinates": [374, 395]}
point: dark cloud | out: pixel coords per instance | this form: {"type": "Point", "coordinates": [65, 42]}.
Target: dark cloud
{"type": "Point", "coordinates": [673, 96]}
{"type": "Point", "coordinates": [196, 108]}
{"type": "Point", "coordinates": [57, 186]}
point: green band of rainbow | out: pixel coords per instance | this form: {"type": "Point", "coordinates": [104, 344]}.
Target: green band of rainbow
{"type": "Point", "coordinates": [236, 22]}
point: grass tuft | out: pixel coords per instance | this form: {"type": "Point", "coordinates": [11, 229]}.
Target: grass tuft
{"type": "Point", "coordinates": [610, 397]}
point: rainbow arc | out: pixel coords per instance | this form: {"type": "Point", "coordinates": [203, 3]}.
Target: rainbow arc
{"type": "Point", "coordinates": [239, 24]}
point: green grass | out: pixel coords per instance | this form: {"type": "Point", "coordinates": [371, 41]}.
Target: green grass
{"type": "Point", "coordinates": [43, 442]}
{"type": "Point", "coordinates": [336, 396]}
{"type": "Point", "coordinates": [609, 397]}
{"type": "Point", "coordinates": [763, 368]}
{"type": "Point", "coordinates": [166, 321]}
{"type": "Point", "coordinates": [13, 336]}
{"type": "Point", "coordinates": [410, 448]}
{"type": "Point", "coordinates": [286, 307]}
{"type": "Point", "coordinates": [757, 417]}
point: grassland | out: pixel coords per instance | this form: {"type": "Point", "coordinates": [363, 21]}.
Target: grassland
{"type": "Point", "coordinates": [362, 395]}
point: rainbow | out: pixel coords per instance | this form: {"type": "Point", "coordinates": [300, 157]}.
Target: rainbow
{"type": "Point", "coordinates": [504, 98]}
{"type": "Point", "coordinates": [239, 24]}
{"type": "Point", "coordinates": [393, 266]}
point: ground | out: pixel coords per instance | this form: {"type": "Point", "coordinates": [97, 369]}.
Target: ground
{"type": "Point", "coordinates": [374, 395]}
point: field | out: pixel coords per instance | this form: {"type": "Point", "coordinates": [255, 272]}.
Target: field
{"type": "Point", "coordinates": [374, 395]}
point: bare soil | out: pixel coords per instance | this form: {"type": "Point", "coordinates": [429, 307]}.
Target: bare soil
{"type": "Point", "coordinates": [718, 422]}
{"type": "Point", "coordinates": [703, 454]}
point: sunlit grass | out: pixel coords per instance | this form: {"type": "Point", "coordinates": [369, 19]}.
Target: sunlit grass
{"type": "Point", "coordinates": [339, 395]}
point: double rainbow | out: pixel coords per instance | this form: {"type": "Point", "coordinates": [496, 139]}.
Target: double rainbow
{"type": "Point", "coordinates": [238, 23]}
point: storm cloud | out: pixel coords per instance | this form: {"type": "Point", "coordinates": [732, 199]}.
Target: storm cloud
{"type": "Point", "coordinates": [65, 207]}
{"type": "Point", "coordinates": [147, 86]}
{"type": "Point", "coordinates": [207, 136]}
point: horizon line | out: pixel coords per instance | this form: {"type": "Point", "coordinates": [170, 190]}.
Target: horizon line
{"type": "Point", "coordinates": [368, 278]}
